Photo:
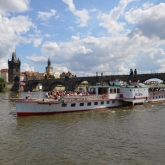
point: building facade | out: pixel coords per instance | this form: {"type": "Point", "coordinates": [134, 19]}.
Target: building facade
{"type": "Point", "coordinates": [4, 74]}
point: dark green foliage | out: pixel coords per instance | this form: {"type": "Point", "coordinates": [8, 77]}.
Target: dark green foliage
{"type": "Point", "coordinates": [51, 76]}
{"type": "Point", "coordinates": [2, 84]}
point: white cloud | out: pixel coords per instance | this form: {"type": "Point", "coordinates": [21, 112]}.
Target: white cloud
{"type": "Point", "coordinates": [147, 5]}
{"type": "Point", "coordinates": [75, 38]}
{"type": "Point", "coordinates": [11, 30]}
{"type": "Point", "coordinates": [110, 21]}
{"type": "Point", "coordinates": [50, 48]}
{"type": "Point", "coordinates": [57, 16]}
{"type": "Point", "coordinates": [35, 58]}
{"type": "Point", "coordinates": [13, 6]}
{"type": "Point", "coordinates": [26, 67]}
{"type": "Point", "coordinates": [37, 42]}
{"type": "Point", "coordinates": [149, 21]}
{"type": "Point", "coordinates": [154, 57]}
{"type": "Point", "coordinates": [47, 35]}
{"type": "Point", "coordinates": [59, 68]}
{"type": "Point", "coordinates": [83, 15]}
{"type": "Point", "coordinates": [46, 15]}
{"type": "Point", "coordinates": [19, 25]}
{"type": "Point", "coordinates": [91, 40]}
{"type": "Point", "coordinates": [15, 25]}
{"type": "Point", "coordinates": [71, 28]}
{"type": "Point", "coordinates": [3, 63]}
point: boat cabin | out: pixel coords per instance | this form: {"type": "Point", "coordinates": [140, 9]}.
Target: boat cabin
{"type": "Point", "coordinates": [110, 92]}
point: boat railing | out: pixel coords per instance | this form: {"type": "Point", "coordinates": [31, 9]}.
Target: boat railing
{"type": "Point", "coordinates": [83, 97]}
{"type": "Point", "coordinates": [156, 93]}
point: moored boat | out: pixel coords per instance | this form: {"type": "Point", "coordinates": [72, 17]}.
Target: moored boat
{"type": "Point", "coordinates": [100, 96]}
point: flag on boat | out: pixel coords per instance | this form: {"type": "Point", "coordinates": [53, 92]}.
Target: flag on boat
{"type": "Point", "coordinates": [22, 84]}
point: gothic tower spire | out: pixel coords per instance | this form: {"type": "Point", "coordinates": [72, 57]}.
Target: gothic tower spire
{"type": "Point", "coordinates": [14, 68]}
{"type": "Point", "coordinates": [49, 62]}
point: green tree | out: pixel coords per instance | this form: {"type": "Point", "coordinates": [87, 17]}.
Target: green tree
{"type": "Point", "coordinates": [2, 84]}
{"type": "Point", "coordinates": [51, 76]}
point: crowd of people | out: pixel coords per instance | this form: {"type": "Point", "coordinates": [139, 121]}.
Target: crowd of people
{"type": "Point", "coordinates": [58, 95]}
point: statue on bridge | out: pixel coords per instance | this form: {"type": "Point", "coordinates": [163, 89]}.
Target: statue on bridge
{"type": "Point", "coordinates": [135, 72]}
{"type": "Point", "coordinates": [131, 72]}
{"type": "Point", "coordinates": [133, 75]}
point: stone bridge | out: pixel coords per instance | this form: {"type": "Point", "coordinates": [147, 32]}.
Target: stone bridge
{"type": "Point", "coordinates": [71, 84]}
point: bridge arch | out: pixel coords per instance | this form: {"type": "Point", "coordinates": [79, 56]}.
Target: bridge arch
{"type": "Point", "coordinates": [57, 86]}
{"type": "Point", "coordinates": [37, 86]}
{"type": "Point", "coordinates": [81, 86]}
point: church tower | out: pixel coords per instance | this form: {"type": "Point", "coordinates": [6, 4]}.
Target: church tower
{"type": "Point", "coordinates": [49, 69]}
{"type": "Point", "coordinates": [14, 68]}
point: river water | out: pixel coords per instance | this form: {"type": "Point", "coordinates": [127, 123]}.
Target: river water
{"type": "Point", "coordinates": [121, 136]}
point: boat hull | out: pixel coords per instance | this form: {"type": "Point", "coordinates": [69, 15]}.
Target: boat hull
{"type": "Point", "coordinates": [35, 107]}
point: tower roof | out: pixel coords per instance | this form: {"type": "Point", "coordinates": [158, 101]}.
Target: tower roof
{"type": "Point", "coordinates": [14, 57]}
{"type": "Point", "coordinates": [49, 62]}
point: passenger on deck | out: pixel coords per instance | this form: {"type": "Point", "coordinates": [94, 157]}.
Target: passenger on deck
{"type": "Point", "coordinates": [28, 95]}
{"type": "Point", "coordinates": [80, 94]}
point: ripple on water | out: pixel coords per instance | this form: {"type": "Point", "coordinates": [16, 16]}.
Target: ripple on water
{"type": "Point", "coordinates": [128, 135]}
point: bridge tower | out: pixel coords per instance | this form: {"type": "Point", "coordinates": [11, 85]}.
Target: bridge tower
{"type": "Point", "coordinates": [14, 68]}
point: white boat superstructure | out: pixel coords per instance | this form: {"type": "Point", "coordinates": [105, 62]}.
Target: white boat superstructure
{"type": "Point", "coordinates": [100, 96]}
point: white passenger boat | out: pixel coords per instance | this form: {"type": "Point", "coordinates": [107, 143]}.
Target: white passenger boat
{"type": "Point", "coordinates": [102, 96]}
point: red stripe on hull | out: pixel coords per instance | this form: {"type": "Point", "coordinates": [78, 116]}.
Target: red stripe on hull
{"type": "Point", "coordinates": [46, 113]}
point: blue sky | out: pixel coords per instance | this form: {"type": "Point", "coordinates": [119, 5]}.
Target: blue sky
{"type": "Point", "coordinates": [84, 37]}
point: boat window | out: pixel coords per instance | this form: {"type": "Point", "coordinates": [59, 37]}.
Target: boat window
{"type": "Point", "coordinates": [111, 90]}
{"type": "Point", "coordinates": [118, 90]}
{"type": "Point", "coordinates": [89, 104]}
{"type": "Point", "coordinates": [107, 102]}
{"type": "Point", "coordinates": [96, 103]}
{"type": "Point", "coordinates": [73, 104]}
{"type": "Point", "coordinates": [114, 90]}
{"type": "Point", "coordinates": [113, 101]}
{"type": "Point", "coordinates": [81, 104]}
{"type": "Point", "coordinates": [102, 102]}
{"type": "Point", "coordinates": [64, 105]}
{"type": "Point", "coordinates": [102, 90]}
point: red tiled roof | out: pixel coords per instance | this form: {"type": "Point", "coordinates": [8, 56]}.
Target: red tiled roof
{"type": "Point", "coordinates": [4, 70]}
